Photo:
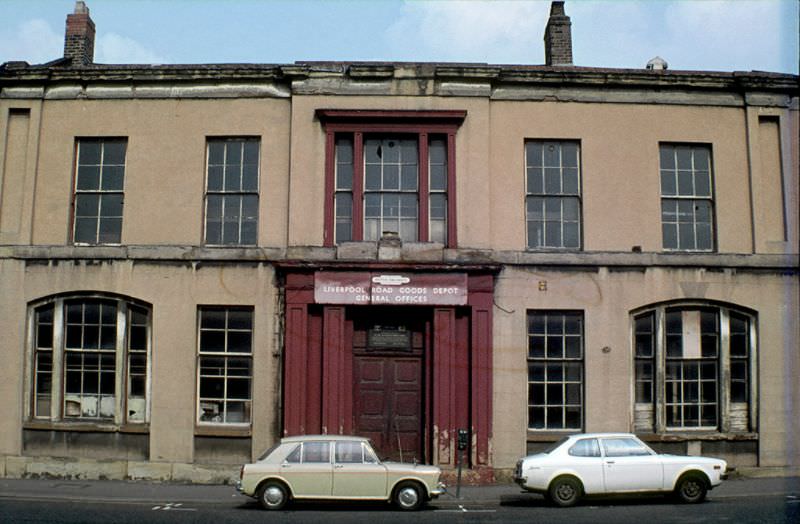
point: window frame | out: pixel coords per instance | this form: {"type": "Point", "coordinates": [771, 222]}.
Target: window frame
{"type": "Point", "coordinates": [561, 196]}
{"type": "Point", "coordinates": [563, 360]}
{"type": "Point", "coordinates": [224, 194]}
{"type": "Point", "coordinates": [677, 198]}
{"type": "Point", "coordinates": [100, 192]}
{"type": "Point", "coordinates": [224, 355]}
{"type": "Point", "coordinates": [725, 409]}
{"type": "Point", "coordinates": [423, 125]}
{"type": "Point", "coordinates": [57, 416]}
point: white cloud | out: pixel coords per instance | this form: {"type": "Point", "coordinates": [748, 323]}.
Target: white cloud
{"type": "Point", "coordinates": [492, 31]}
{"type": "Point", "coordinates": [111, 48]}
{"type": "Point", "coordinates": [34, 42]}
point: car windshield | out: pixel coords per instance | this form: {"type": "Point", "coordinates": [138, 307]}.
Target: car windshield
{"type": "Point", "coordinates": [552, 447]}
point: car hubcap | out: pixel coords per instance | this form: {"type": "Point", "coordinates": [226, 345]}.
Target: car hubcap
{"type": "Point", "coordinates": [565, 492]}
{"type": "Point", "coordinates": [273, 495]}
{"type": "Point", "coordinates": [691, 489]}
{"type": "Point", "coordinates": [408, 497]}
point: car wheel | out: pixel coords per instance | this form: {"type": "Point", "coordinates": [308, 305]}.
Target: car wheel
{"type": "Point", "coordinates": [691, 489]}
{"type": "Point", "coordinates": [408, 496]}
{"type": "Point", "coordinates": [273, 495]}
{"type": "Point", "coordinates": [565, 491]}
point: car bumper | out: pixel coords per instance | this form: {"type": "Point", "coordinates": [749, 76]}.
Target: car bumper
{"type": "Point", "coordinates": [441, 489]}
{"type": "Point", "coordinates": [727, 473]}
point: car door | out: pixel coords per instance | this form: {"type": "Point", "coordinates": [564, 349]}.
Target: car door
{"type": "Point", "coordinates": [629, 465]}
{"type": "Point", "coordinates": [357, 473]}
{"type": "Point", "coordinates": [587, 462]}
{"type": "Point", "coordinates": [309, 471]}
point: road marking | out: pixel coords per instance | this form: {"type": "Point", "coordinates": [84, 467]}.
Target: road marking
{"type": "Point", "coordinates": [172, 506]}
{"type": "Point", "coordinates": [462, 509]}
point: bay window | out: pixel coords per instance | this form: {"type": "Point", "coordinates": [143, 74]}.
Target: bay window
{"type": "Point", "coordinates": [693, 369]}
{"type": "Point", "coordinates": [90, 360]}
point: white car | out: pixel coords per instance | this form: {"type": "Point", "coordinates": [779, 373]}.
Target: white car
{"type": "Point", "coordinates": [335, 467]}
{"type": "Point", "coordinates": [613, 463]}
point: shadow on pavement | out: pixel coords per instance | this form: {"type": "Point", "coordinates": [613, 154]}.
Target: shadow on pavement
{"type": "Point", "coordinates": [538, 501]}
{"type": "Point", "coordinates": [335, 506]}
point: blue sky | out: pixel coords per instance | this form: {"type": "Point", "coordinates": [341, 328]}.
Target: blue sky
{"type": "Point", "coordinates": [717, 35]}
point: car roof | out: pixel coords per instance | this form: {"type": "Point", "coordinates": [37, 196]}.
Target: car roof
{"type": "Point", "coordinates": [308, 438]}
{"type": "Point", "coordinates": [600, 435]}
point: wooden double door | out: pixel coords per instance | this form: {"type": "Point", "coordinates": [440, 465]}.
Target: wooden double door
{"type": "Point", "coordinates": [389, 380]}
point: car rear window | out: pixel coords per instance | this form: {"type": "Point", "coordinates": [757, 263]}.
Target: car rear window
{"type": "Point", "coordinates": [294, 455]}
{"type": "Point", "coordinates": [552, 447]}
{"type": "Point", "coordinates": [268, 452]}
{"type": "Point", "coordinates": [587, 447]}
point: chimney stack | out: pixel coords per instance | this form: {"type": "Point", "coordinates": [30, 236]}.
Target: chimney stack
{"type": "Point", "coordinates": [79, 36]}
{"type": "Point", "coordinates": [558, 37]}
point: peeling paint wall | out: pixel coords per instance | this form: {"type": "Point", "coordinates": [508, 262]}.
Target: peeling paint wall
{"type": "Point", "coordinates": [607, 298]}
{"type": "Point", "coordinates": [175, 291]}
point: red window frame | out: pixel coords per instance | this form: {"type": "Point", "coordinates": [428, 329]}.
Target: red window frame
{"type": "Point", "coordinates": [422, 124]}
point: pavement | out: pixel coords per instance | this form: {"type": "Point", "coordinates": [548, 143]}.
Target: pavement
{"type": "Point", "coordinates": [158, 493]}
{"type": "Point", "coordinates": [161, 493]}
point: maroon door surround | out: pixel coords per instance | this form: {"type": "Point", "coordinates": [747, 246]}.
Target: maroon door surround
{"type": "Point", "coordinates": [336, 382]}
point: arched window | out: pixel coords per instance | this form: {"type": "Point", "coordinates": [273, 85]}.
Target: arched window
{"type": "Point", "coordinates": [90, 359]}
{"type": "Point", "coordinates": [694, 368]}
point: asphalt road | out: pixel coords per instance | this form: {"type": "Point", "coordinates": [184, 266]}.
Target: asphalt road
{"type": "Point", "coordinates": [58, 501]}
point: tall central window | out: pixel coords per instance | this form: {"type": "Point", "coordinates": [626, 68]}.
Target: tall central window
{"type": "Point", "coordinates": [391, 178]}
{"type": "Point", "coordinates": [390, 172]}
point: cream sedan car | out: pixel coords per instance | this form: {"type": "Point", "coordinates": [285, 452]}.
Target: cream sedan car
{"type": "Point", "coordinates": [334, 467]}
{"type": "Point", "coordinates": [613, 463]}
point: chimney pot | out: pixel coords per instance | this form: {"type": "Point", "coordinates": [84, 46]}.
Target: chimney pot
{"type": "Point", "coordinates": [558, 36]}
{"type": "Point", "coordinates": [79, 36]}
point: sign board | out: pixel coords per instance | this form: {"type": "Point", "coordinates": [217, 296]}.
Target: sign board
{"type": "Point", "coordinates": [389, 288]}
{"type": "Point", "coordinates": [389, 338]}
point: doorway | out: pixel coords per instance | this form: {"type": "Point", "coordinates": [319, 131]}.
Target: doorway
{"type": "Point", "coordinates": [389, 386]}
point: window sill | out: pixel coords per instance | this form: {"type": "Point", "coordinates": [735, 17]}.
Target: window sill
{"type": "Point", "coordinates": [689, 251]}
{"type": "Point", "coordinates": [230, 246]}
{"type": "Point", "coordinates": [680, 436]}
{"type": "Point", "coordinates": [97, 244]}
{"type": "Point", "coordinates": [86, 427]}
{"type": "Point", "coordinates": [554, 249]}
{"type": "Point", "coordinates": [548, 435]}
{"type": "Point", "coordinates": [222, 431]}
